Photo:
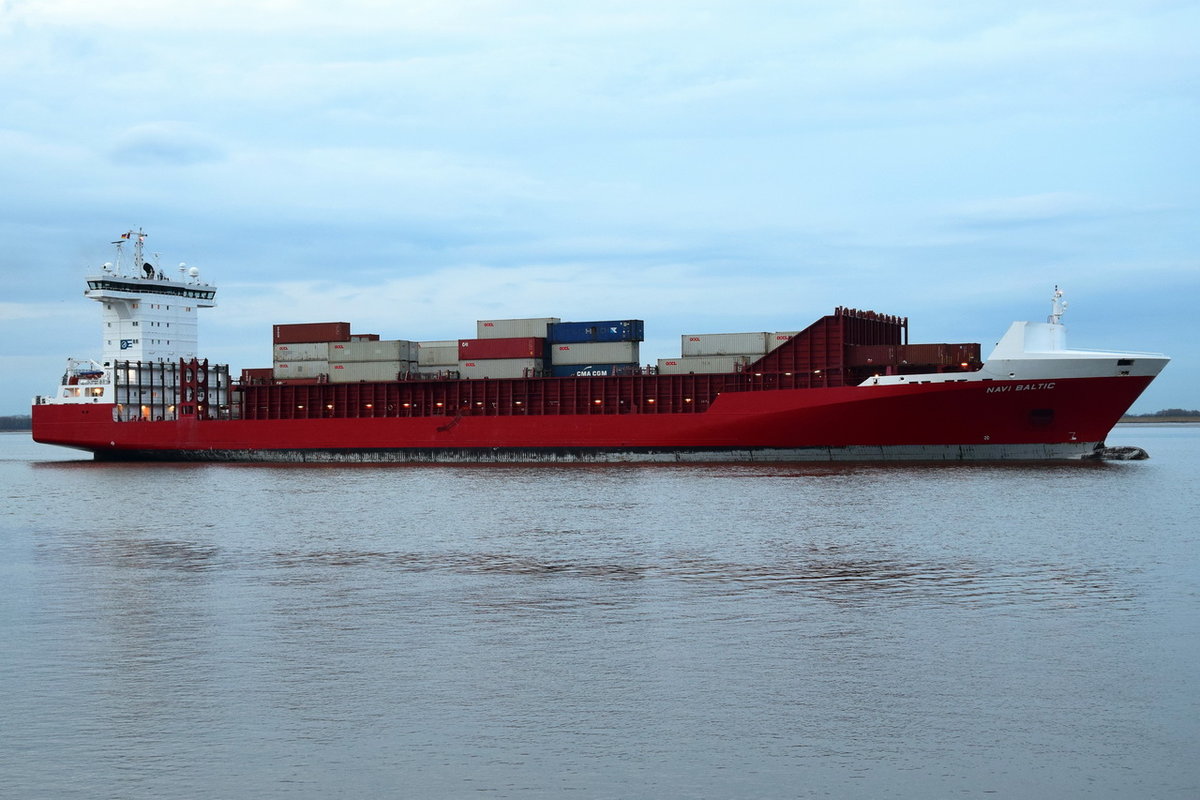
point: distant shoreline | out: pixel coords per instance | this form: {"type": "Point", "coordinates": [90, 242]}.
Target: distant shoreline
{"type": "Point", "coordinates": [1139, 420]}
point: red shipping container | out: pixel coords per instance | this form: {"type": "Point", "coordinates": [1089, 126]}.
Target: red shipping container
{"type": "Point", "coordinates": [522, 347]}
{"type": "Point", "coordinates": [312, 332]}
{"type": "Point", "coordinates": [257, 373]}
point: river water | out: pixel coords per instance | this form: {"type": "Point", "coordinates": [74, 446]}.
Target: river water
{"type": "Point", "coordinates": [790, 631]}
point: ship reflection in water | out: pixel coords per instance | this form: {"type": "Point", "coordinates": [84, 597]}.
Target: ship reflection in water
{"type": "Point", "coordinates": [771, 632]}
{"type": "Point", "coordinates": [826, 576]}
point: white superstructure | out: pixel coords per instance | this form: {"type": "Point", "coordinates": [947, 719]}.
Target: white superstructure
{"type": "Point", "coordinates": [148, 319]}
{"type": "Point", "coordinates": [148, 316]}
{"type": "Point", "coordinates": [1037, 351]}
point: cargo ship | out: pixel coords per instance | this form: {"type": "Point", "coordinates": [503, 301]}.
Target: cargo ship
{"type": "Point", "coordinates": [850, 386]}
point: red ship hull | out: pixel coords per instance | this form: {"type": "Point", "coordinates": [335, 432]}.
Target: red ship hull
{"type": "Point", "coordinates": [1060, 419]}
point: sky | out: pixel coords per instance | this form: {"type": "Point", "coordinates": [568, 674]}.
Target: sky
{"type": "Point", "coordinates": [705, 166]}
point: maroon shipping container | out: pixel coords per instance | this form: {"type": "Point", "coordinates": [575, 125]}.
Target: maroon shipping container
{"type": "Point", "coordinates": [924, 355]}
{"type": "Point", "coordinates": [312, 332]}
{"type": "Point", "coordinates": [257, 373]}
{"type": "Point", "coordinates": [522, 347]}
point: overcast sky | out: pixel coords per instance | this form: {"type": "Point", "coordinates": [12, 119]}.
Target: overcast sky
{"type": "Point", "coordinates": [413, 166]}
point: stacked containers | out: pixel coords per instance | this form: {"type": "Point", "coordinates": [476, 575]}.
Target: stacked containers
{"type": "Point", "coordinates": [686, 364]}
{"type": "Point", "coordinates": [780, 338]}
{"type": "Point", "coordinates": [513, 328]}
{"type": "Point", "coordinates": [312, 332]}
{"type": "Point", "coordinates": [725, 344]}
{"type": "Point", "coordinates": [300, 359]}
{"type": "Point", "coordinates": [627, 330]}
{"type": "Point", "coordinates": [371, 360]}
{"type": "Point", "coordinates": [592, 370]}
{"type": "Point", "coordinates": [509, 357]}
{"type": "Point", "coordinates": [257, 374]}
{"type": "Point", "coordinates": [925, 355]}
{"type": "Point", "coordinates": [720, 352]}
{"type": "Point", "coordinates": [594, 353]}
{"type": "Point", "coordinates": [594, 348]}
{"type": "Point", "coordinates": [302, 350]}
{"type": "Point", "coordinates": [437, 356]}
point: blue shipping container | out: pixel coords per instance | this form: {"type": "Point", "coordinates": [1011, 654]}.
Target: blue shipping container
{"type": "Point", "coordinates": [591, 370]}
{"type": "Point", "coordinates": [627, 330]}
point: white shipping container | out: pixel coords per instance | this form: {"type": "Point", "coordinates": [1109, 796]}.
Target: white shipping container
{"type": "Point", "coordinates": [444, 370]}
{"type": "Point", "coordinates": [685, 364]}
{"type": "Point", "coordinates": [725, 344]}
{"type": "Point", "coordinates": [780, 337]}
{"type": "Point", "coordinates": [356, 371]}
{"type": "Point", "coordinates": [513, 328]}
{"type": "Point", "coordinates": [438, 354]}
{"type": "Point", "coordinates": [301, 369]}
{"type": "Point", "coordinates": [302, 351]}
{"type": "Point", "coordinates": [594, 353]}
{"type": "Point", "coordinates": [499, 367]}
{"type": "Point", "coordinates": [381, 350]}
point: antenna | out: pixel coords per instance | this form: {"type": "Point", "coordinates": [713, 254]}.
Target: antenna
{"type": "Point", "coordinates": [120, 243]}
{"type": "Point", "coordinates": [139, 240]}
{"type": "Point", "coordinates": [1057, 307]}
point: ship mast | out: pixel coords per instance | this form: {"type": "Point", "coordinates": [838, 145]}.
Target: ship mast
{"type": "Point", "coordinates": [1058, 307]}
{"type": "Point", "coordinates": [139, 239]}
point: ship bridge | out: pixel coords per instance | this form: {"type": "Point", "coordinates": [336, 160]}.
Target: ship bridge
{"type": "Point", "coordinates": [148, 316]}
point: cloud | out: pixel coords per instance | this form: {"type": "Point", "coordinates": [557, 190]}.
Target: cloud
{"type": "Point", "coordinates": [13, 312]}
{"type": "Point", "coordinates": [698, 164]}
{"type": "Point", "coordinates": [164, 143]}
{"type": "Point", "coordinates": [1033, 209]}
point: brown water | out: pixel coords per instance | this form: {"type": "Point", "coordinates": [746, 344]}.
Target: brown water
{"type": "Point", "coordinates": [235, 631]}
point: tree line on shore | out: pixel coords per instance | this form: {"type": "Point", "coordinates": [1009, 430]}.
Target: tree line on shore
{"type": "Point", "coordinates": [1167, 412]}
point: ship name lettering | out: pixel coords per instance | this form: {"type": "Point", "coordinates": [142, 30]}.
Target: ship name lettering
{"type": "Point", "coordinates": [1020, 387]}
